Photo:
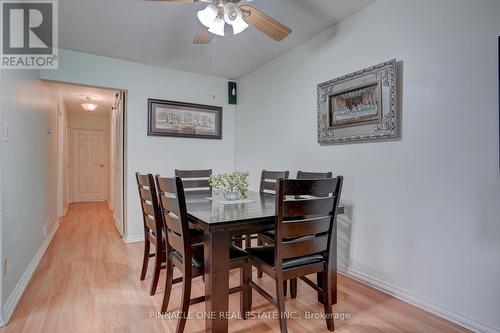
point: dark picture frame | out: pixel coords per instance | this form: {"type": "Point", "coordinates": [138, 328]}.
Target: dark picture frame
{"type": "Point", "coordinates": [184, 120]}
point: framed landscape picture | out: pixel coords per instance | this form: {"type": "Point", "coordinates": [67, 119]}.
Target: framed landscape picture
{"type": "Point", "coordinates": [186, 120]}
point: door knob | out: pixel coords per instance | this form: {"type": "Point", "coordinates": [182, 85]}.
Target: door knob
{"type": "Point", "coordinates": [102, 165]}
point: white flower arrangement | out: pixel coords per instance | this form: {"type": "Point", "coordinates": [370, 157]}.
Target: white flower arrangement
{"type": "Point", "coordinates": [231, 182]}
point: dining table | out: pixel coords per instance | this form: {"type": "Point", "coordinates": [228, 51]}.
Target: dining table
{"type": "Point", "coordinates": [221, 222]}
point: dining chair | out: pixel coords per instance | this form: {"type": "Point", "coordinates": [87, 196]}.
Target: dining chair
{"type": "Point", "coordinates": [267, 237]}
{"type": "Point", "coordinates": [152, 222]}
{"type": "Point", "coordinates": [195, 180]}
{"type": "Point", "coordinates": [267, 185]}
{"type": "Point", "coordinates": [305, 241]}
{"type": "Point", "coordinates": [189, 258]}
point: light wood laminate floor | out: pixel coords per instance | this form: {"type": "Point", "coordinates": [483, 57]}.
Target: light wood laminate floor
{"type": "Point", "coordinates": [88, 281]}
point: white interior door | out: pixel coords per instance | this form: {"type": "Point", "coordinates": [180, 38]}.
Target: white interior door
{"type": "Point", "coordinates": [89, 176]}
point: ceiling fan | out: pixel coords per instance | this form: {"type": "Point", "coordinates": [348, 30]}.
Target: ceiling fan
{"type": "Point", "coordinates": [218, 13]}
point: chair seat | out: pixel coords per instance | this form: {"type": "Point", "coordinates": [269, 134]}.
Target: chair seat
{"type": "Point", "coordinates": [235, 253]}
{"type": "Point", "coordinates": [266, 254]}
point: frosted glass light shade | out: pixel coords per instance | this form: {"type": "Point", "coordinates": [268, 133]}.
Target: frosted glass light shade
{"type": "Point", "coordinates": [218, 27]}
{"type": "Point", "coordinates": [207, 16]}
{"type": "Point", "coordinates": [234, 17]}
{"type": "Point", "coordinates": [239, 25]}
{"type": "Point", "coordinates": [89, 106]}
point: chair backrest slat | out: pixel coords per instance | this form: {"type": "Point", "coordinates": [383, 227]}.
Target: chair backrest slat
{"type": "Point", "coordinates": [173, 223]}
{"type": "Point", "coordinates": [306, 187]}
{"type": "Point", "coordinates": [308, 207]}
{"type": "Point", "coordinates": [148, 209]}
{"type": "Point", "coordinates": [175, 242]}
{"type": "Point", "coordinates": [304, 246]}
{"type": "Point", "coordinates": [195, 180]}
{"type": "Point", "coordinates": [294, 229]}
{"type": "Point", "coordinates": [145, 194]}
{"type": "Point", "coordinates": [151, 214]}
{"type": "Point", "coordinates": [167, 185]}
{"type": "Point", "coordinates": [305, 215]}
{"type": "Point", "coordinates": [142, 179]}
{"type": "Point", "coordinates": [170, 204]}
{"type": "Point", "coordinates": [314, 175]}
{"type": "Point", "coordinates": [269, 186]}
{"type": "Point", "coordinates": [268, 180]}
{"type": "Point", "coordinates": [150, 222]}
{"type": "Point", "coordinates": [197, 183]}
{"type": "Point", "coordinates": [173, 209]}
{"type": "Point", "coordinates": [193, 173]}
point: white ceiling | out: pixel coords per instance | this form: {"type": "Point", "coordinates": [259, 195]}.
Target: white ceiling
{"type": "Point", "coordinates": [74, 94]}
{"type": "Point", "coordinates": [161, 33]}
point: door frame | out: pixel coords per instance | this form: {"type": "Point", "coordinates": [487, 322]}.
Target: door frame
{"type": "Point", "coordinates": [61, 165]}
{"type": "Point", "coordinates": [122, 146]}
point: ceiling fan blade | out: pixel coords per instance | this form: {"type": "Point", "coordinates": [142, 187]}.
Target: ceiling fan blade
{"type": "Point", "coordinates": [265, 23]}
{"type": "Point", "coordinates": [203, 36]}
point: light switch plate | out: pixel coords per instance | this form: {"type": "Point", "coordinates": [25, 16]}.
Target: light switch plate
{"type": "Point", "coordinates": [5, 132]}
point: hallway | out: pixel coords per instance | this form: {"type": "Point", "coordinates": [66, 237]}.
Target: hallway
{"type": "Point", "coordinates": [88, 281]}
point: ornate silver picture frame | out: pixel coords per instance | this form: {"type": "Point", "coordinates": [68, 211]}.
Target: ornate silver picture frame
{"type": "Point", "coordinates": [361, 106]}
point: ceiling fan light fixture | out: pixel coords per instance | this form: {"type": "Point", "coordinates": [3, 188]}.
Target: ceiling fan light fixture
{"type": "Point", "coordinates": [218, 27]}
{"type": "Point", "coordinates": [208, 15]}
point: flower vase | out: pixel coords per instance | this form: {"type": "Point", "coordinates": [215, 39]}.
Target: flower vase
{"type": "Point", "coordinates": [233, 196]}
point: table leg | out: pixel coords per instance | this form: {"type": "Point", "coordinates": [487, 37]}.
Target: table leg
{"type": "Point", "coordinates": [216, 281]}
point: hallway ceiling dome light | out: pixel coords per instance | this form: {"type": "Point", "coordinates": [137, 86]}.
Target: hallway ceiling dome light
{"type": "Point", "coordinates": [88, 105]}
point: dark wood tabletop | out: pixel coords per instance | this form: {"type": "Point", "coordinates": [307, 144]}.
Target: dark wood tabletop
{"type": "Point", "coordinates": [205, 211]}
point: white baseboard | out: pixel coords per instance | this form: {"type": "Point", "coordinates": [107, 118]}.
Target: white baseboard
{"type": "Point", "coordinates": [133, 238]}
{"type": "Point", "coordinates": [117, 224]}
{"type": "Point", "coordinates": [429, 306]}
{"type": "Point", "coordinates": [65, 210]}
{"type": "Point", "coordinates": [116, 220]}
{"type": "Point", "coordinates": [15, 296]}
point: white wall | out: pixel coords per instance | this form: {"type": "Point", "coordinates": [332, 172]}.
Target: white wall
{"type": "Point", "coordinates": [29, 173]}
{"type": "Point", "coordinates": [2, 320]}
{"type": "Point", "coordinates": [89, 121]}
{"type": "Point", "coordinates": [426, 213]}
{"type": "Point", "coordinates": [154, 154]}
